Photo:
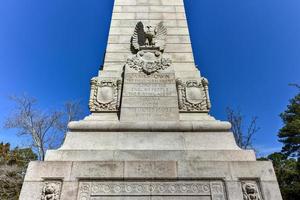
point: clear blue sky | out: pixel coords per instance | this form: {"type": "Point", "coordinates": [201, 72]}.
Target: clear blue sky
{"type": "Point", "coordinates": [249, 51]}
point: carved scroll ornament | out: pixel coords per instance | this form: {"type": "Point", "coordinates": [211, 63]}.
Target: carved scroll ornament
{"type": "Point", "coordinates": [105, 95]}
{"type": "Point", "coordinates": [193, 95]}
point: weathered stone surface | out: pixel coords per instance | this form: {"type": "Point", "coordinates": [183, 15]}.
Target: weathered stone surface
{"type": "Point", "coordinates": [31, 190]}
{"type": "Point", "coordinates": [141, 102]}
{"type": "Point", "coordinates": [150, 141]}
{"type": "Point", "coordinates": [97, 170]}
{"type": "Point", "coordinates": [132, 23]}
{"type": "Point", "coordinates": [170, 48]}
{"type": "Point", "coordinates": [69, 190]}
{"type": "Point", "coordinates": [56, 170]}
{"type": "Point", "coordinates": [152, 169]}
{"type": "Point", "coordinates": [204, 125]}
{"type": "Point", "coordinates": [125, 39]}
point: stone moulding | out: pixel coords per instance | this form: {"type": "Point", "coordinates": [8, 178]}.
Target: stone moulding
{"type": "Point", "coordinates": [105, 95]}
{"type": "Point", "coordinates": [183, 189]}
{"type": "Point", "coordinates": [188, 126]}
{"type": "Point", "coordinates": [193, 95]}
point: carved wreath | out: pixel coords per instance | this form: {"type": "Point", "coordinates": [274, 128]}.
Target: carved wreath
{"type": "Point", "coordinates": [188, 105]}
{"type": "Point", "coordinates": [96, 104]}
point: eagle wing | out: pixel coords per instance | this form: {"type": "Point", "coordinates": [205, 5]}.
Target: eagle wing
{"type": "Point", "coordinates": [138, 37]}
{"type": "Point", "coordinates": [160, 36]}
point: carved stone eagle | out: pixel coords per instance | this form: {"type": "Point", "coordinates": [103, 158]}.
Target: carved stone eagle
{"type": "Point", "coordinates": [149, 37]}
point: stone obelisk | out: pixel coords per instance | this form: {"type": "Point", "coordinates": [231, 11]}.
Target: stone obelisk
{"type": "Point", "coordinates": [149, 134]}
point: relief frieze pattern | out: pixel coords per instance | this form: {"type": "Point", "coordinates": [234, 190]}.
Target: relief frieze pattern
{"type": "Point", "coordinates": [193, 95]}
{"type": "Point", "coordinates": [89, 189]}
{"type": "Point", "coordinates": [105, 95]}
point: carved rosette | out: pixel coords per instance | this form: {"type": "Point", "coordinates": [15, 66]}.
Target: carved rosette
{"type": "Point", "coordinates": [193, 95]}
{"type": "Point", "coordinates": [148, 61]}
{"type": "Point", "coordinates": [250, 190]}
{"type": "Point", "coordinates": [51, 190]}
{"type": "Point", "coordinates": [105, 95]}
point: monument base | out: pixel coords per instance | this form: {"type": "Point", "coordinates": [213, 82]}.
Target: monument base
{"type": "Point", "coordinates": [91, 140]}
{"type": "Point", "coordinates": [191, 160]}
{"type": "Point", "coordinates": [139, 180]}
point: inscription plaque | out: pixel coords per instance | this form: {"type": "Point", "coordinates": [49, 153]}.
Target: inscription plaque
{"type": "Point", "coordinates": [153, 78]}
{"type": "Point", "coordinates": [149, 97]}
{"type": "Point", "coordinates": [165, 190]}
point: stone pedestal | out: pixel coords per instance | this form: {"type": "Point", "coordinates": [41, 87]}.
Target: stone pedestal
{"type": "Point", "coordinates": [149, 135]}
{"type": "Point", "coordinates": [170, 160]}
{"type": "Point", "coordinates": [201, 180]}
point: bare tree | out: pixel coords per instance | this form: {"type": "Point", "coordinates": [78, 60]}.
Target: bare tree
{"type": "Point", "coordinates": [72, 111]}
{"type": "Point", "coordinates": [39, 125]}
{"type": "Point", "coordinates": [243, 137]}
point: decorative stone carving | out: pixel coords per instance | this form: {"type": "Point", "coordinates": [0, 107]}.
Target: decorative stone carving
{"type": "Point", "coordinates": [193, 95]}
{"type": "Point", "coordinates": [51, 191]}
{"type": "Point", "coordinates": [148, 46]}
{"type": "Point", "coordinates": [153, 38]}
{"type": "Point", "coordinates": [149, 61]}
{"type": "Point", "coordinates": [105, 95]}
{"type": "Point", "coordinates": [217, 190]}
{"type": "Point", "coordinates": [213, 189]}
{"type": "Point", "coordinates": [250, 191]}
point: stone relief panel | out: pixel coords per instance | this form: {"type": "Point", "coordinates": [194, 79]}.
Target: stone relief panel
{"type": "Point", "coordinates": [217, 190]}
{"type": "Point", "coordinates": [149, 37]}
{"type": "Point", "coordinates": [250, 190]}
{"type": "Point", "coordinates": [148, 61]}
{"type": "Point", "coordinates": [92, 190]}
{"type": "Point", "coordinates": [51, 190]}
{"type": "Point", "coordinates": [147, 45]}
{"type": "Point", "coordinates": [105, 95]}
{"type": "Point", "coordinates": [193, 95]}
